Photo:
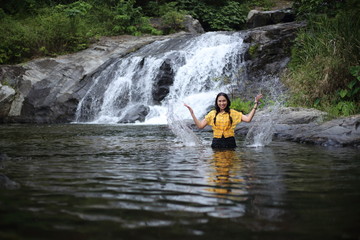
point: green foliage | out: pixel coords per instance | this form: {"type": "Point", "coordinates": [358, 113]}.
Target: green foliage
{"type": "Point", "coordinates": [264, 4]}
{"type": "Point", "coordinates": [216, 15]}
{"type": "Point", "coordinates": [50, 31]}
{"type": "Point", "coordinates": [321, 57]}
{"type": "Point", "coordinates": [304, 8]}
{"type": "Point", "coordinates": [152, 9]}
{"type": "Point", "coordinates": [173, 20]}
{"type": "Point", "coordinates": [23, 7]}
{"type": "Point", "coordinates": [35, 28]}
{"type": "Point", "coordinates": [129, 19]}
{"type": "Point", "coordinates": [60, 29]}
{"type": "Point", "coordinates": [246, 106]}
{"type": "Point", "coordinates": [12, 41]}
{"type": "Point", "coordinates": [351, 92]}
{"type": "Point", "coordinates": [345, 108]}
{"type": "Point", "coordinates": [241, 106]}
{"type": "Point", "coordinates": [229, 17]}
{"type": "Point", "coordinates": [76, 9]}
{"type": "Point", "coordinates": [253, 49]}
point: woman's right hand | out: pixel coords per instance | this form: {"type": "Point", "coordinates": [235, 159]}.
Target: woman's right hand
{"type": "Point", "coordinates": [190, 109]}
{"type": "Point", "coordinates": [199, 124]}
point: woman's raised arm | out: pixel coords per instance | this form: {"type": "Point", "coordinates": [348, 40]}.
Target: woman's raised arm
{"type": "Point", "coordinates": [200, 124]}
{"type": "Point", "coordinates": [250, 115]}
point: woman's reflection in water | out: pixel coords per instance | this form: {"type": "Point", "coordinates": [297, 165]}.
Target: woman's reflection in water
{"type": "Point", "coordinates": [226, 184]}
{"type": "Point", "coordinates": [227, 176]}
{"type": "Point", "coordinates": [239, 186]}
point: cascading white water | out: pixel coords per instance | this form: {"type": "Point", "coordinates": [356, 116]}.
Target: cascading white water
{"type": "Point", "coordinates": [195, 62]}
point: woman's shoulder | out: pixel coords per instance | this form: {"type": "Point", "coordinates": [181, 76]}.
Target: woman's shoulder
{"type": "Point", "coordinates": [212, 112]}
{"type": "Point", "coordinates": [233, 111]}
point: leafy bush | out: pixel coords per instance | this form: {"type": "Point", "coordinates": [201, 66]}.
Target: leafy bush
{"type": "Point", "coordinates": [13, 44]}
{"type": "Point", "coordinates": [321, 57]}
{"type": "Point", "coordinates": [241, 106]}
{"type": "Point", "coordinates": [173, 21]}
{"type": "Point", "coordinates": [50, 31]}
{"type": "Point", "coordinates": [304, 8]}
{"type": "Point", "coordinates": [264, 4]}
{"type": "Point", "coordinates": [127, 19]}
{"type": "Point", "coordinates": [216, 15]}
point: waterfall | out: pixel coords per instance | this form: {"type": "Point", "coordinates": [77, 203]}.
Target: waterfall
{"type": "Point", "coordinates": [139, 88]}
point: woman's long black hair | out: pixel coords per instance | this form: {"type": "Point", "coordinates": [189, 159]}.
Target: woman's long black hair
{"type": "Point", "coordinates": [227, 109]}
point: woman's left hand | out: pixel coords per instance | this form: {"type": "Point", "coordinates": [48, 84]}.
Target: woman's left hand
{"type": "Point", "coordinates": [258, 97]}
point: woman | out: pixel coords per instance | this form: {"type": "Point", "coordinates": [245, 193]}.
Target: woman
{"type": "Point", "coordinates": [224, 120]}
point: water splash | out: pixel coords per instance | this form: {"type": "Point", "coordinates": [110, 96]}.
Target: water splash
{"type": "Point", "coordinates": [179, 127]}
{"type": "Point", "coordinates": [261, 133]}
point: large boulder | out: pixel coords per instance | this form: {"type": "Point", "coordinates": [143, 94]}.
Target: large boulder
{"type": "Point", "coordinates": [257, 18]}
{"type": "Point", "coordinates": [135, 113]}
{"type": "Point", "coordinates": [164, 81]}
{"type": "Point", "coordinates": [338, 132]}
{"type": "Point", "coordinates": [268, 54]}
{"type": "Point", "coordinates": [189, 24]}
{"type": "Point", "coordinates": [192, 25]}
{"type": "Point", "coordinates": [7, 95]}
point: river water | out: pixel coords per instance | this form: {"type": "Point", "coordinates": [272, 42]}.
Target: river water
{"type": "Point", "coordinates": [92, 181]}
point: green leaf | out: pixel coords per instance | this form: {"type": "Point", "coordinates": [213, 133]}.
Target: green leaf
{"type": "Point", "coordinates": [356, 90]}
{"type": "Point", "coordinates": [317, 102]}
{"type": "Point", "coordinates": [355, 71]}
{"type": "Point", "coordinates": [343, 93]}
{"type": "Point", "coordinates": [352, 84]}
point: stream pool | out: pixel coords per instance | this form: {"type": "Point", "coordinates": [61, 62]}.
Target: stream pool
{"type": "Point", "coordinates": [83, 181]}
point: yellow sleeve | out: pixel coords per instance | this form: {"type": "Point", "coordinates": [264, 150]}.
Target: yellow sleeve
{"type": "Point", "coordinates": [210, 117]}
{"type": "Point", "coordinates": [236, 116]}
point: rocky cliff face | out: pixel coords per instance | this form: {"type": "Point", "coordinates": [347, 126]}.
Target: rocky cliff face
{"type": "Point", "coordinates": [268, 54]}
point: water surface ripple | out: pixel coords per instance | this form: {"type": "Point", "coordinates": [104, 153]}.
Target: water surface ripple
{"type": "Point", "coordinates": [138, 181]}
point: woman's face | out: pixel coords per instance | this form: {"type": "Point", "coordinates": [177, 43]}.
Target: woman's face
{"type": "Point", "coordinates": [222, 103]}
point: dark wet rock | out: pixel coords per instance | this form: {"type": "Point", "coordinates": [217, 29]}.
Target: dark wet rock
{"type": "Point", "coordinates": [135, 113]}
{"type": "Point", "coordinates": [189, 24]}
{"type": "Point", "coordinates": [297, 115]}
{"type": "Point", "coordinates": [268, 55]}
{"type": "Point", "coordinates": [192, 25]}
{"type": "Point", "coordinates": [269, 49]}
{"type": "Point", "coordinates": [257, 18]}
{"type": "Point", "coordinates": [163, 82]}
{"type": "Point", "coordinates": [7, 183]}
{"type": "Point", "coordinates": [7, 95]}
